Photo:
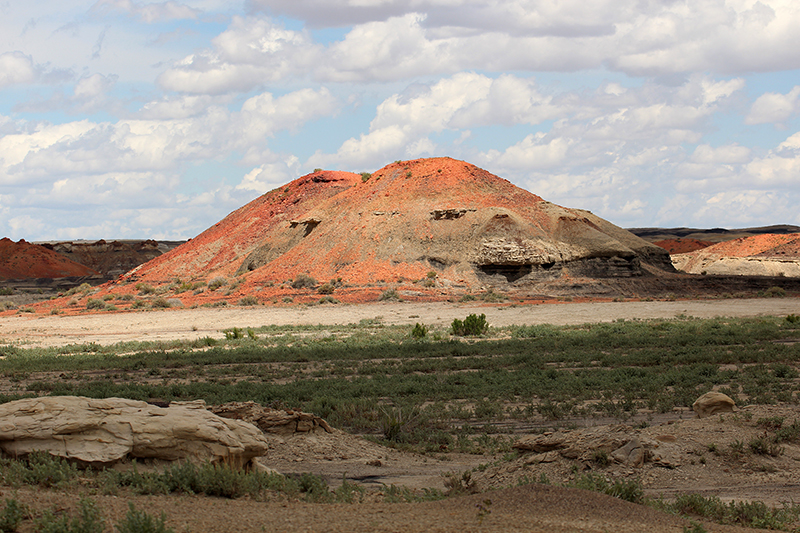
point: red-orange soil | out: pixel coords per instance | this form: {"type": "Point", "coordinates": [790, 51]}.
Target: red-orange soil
{"type": "Point", "coordinates": [25, 260]}
{"type": "Point", "coordinates": [682, 246]}
{"type": "Point", "coordinates": [767, 245]}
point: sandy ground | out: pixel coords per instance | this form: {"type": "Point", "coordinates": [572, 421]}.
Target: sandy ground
{"type": "Point", "coordinates": [110, 328]}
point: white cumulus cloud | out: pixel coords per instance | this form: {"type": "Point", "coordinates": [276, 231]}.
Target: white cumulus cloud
{"type": "Point", "coordinates": [774, 107]}
{"type": "Point", "coordinates": [16, 68]}
{"type": "Point", "coordinates": [149, 13]}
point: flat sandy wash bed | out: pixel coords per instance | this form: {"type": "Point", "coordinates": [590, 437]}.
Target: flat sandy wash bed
{"type": "Point", "coordinates": [110, 328]}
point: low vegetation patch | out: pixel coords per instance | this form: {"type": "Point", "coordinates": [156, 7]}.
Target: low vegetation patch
{"type": "Point", "coordinates": [304, 281]}
{"type": "Point", "coordinates": [473, 325]}
{"type": "Point", "coordinates": [352, 375]}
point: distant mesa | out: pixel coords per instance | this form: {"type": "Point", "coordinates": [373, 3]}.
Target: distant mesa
{"type": "Point", "coordinates": [759, 255]}
{"type": "Point", "coordinates": [110, 259]}
{"type": "Point", "coordinates": [20, 260]}
{"type": "Point", "coordinates": [468, 227]}
{"type": "Point", "coordinates": [682, 246]}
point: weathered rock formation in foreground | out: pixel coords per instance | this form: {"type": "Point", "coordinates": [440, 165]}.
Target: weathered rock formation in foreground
{"type": "Point", "coordinates": [272, 421]}
{"type": "Point", "coordinates": [712, 403]}
{"type": "Point", "coordinates": [104, 431]}
{"type": "Point", "coordinates": [405, 220]}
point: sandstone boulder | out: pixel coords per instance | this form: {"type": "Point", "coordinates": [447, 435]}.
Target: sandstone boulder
{"type": "Point", "coordinates": [104, 431]}
{"type": "Point", "coordinates": [711, 403]}
{"type": "Point", "coordinates": [275, 421]}
{"type": "Point", "coordinates": [621, 443]}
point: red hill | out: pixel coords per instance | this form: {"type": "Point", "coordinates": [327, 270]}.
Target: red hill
{"type": "Point", "coordinates": [760, 255]}
{"type": "Point", "coordinates": [24, 260]}
{"type": "Point", "coordinates": [682, 246]}
{"type": "Point", "coordinates": [471, 228]}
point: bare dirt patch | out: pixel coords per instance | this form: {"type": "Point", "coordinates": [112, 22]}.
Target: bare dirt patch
{"type": "Point", "coordinates": [110, 328]}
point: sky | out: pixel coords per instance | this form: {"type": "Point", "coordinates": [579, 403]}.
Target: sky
{"type": "Point", "coordinates": [125, 119]}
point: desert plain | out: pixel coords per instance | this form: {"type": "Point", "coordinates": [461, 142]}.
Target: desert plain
{"type": "Point", "coordinates": [495, 498]}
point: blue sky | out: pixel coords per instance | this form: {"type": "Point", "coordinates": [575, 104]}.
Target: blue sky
{"type": "Point", "coordinates": [128, 119]}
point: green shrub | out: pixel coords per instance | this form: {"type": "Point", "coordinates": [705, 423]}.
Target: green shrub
{"type": "Point", "coordinates": [144, 288]}
{"type": "Point", "coordinates": [94, 303]}
{"type": "Point", "coordinates": [390, 294]}
{"type": "Point", "coordinates": [419, 331]}
{"type": "Point", "coordinates": [139, 304]}
{"type": "Point", "coordinates": [792, 318]}
{"type": "Point", "coordinates": [472, 326]}
{"type": "Point", "coordinates": [763, 446]}
{"type": "Point", "coordinates": [216, 283]}
{"type": "Point", "coordinates": [248, 301]}
{"type": "Point", "coordinates": [397, 422]}
{"type": "Point", "coordinates": [365, 176]}
{"type": "Point", "coordinates": [209, 479]}
{"type": "Point", "coordinates": [749, 514]}
{"type": "Point", "coordinates": [83, 287]}
{"type": "Point", "coordinates": [492, 297]}
{"type": "Point", "coordinates": [304, 281]}
{"type": "Point", "coordinates": [774, 292]}
{"type": "Point", "coordinates": [315, 488]}
{"type": "Point", "coordinates": [328, 300]}
{"type": "Point", "coordinates": [87, 521]}
{"type": "Point", "coordinates": [11, 515]}
{"type": "Point", "coordinates": [327, 288]}
{"type": "Point", "coordinates": [161, 303]}
{"type": "Point", "coordinates": [45, 470]}
{"type": "Point", "coordinates": [233, 333]}
{"type": "Point", "coordinates": [348, 492]}
{"type": "Point", "coordinates": [6, 291]}
{"type": "Point", "coordinates": [206, 341]}
{"type": "Point", "coordinates": [788, 433]}
{"type": "Point", "coordinates": [630, 491]}
{"type": "Point", "coordinates": [183, 287]}
{"type": "Point", "coordinates": [141, 522]}
{"type": "Point", "coordinates": [238, 333]}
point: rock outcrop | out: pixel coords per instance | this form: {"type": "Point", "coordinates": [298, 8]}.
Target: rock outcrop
{"type": "Point", "coordinates": [760, 255]}
{"type": "Point", "coordinates": [712, 403]}
{"type": "Point", "coordinates": [111, 259]}
{"type": "Point", "coordinates": [618, 443]}
{"type": "Point", "coordinates": [274, 421]}
{"type": "Point", "coordinates": [102, 432]}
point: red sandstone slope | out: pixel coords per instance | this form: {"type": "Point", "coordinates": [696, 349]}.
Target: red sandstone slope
{"type": "Point", "coordinates": [24, 260]}
{"type": "Point", "coordinates": [766, 245]}
{"type": "Point", "coordinates": [682, 246]}
{"type": "Point", "coordinates": [768, 254]}
{"type": "Point", "coordinates": [408, 218]}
